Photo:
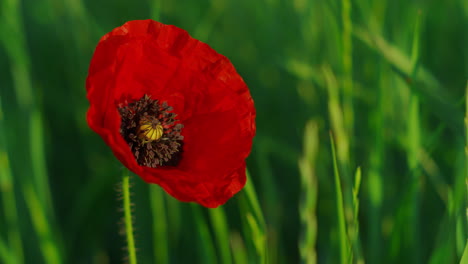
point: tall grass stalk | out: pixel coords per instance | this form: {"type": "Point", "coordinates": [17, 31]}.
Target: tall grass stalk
{"type": "Point", "coordinates": [336, 117]}
{"type": "Point", "coordinates": [413, 149]}
{"type": "Point", "coordinates": [342, 157]}
{"type": "Point", "coordinates": [347, 60]}
{"type": "Point", "coordinates": [308, 203]}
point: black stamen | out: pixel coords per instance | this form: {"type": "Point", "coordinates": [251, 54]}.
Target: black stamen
{"type": "Point", "coordinates": [153, 152]}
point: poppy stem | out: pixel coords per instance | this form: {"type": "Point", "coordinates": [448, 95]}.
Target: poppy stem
{"type": "Point", "coordinates": [128, 217]}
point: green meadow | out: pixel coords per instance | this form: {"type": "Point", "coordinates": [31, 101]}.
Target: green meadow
{"type": "Point", "coordinates": [360, 153]}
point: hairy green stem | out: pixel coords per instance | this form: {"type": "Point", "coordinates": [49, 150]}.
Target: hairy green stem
{"type": "Point", "coordinates": [128, 217]}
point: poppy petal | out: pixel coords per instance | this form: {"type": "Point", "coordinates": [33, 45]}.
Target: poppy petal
{"type": "Point", "coordinates": [147, 58]}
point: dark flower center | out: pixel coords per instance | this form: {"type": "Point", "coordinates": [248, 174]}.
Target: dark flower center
{"type": "Point", "coordinates": [152, 132]}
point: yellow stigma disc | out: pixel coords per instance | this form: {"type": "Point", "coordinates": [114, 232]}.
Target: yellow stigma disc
{"type": "Point", "coordinates": [149, 132]}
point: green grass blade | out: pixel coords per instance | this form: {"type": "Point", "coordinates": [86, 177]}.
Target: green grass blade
{"type": "Point", "coordinates": [357, 185]}
{"type": "Point", "coordinates": [466, 141]}
{"type": "Point", "coordinates": [7, 190]}
{"type": "Point", "coordinates": [443, 247]}
{"type": "Point", "coordinates": [14, 40]}
{"type": "Point", "coordinates": [415, 53]}
{"type": "Point", "coordinates": [342, 156]}
{"type": "Point", "coordinates": [47, 241]}
{"type": "Point", "coordinates": [460, 234]}
{"type": "Point", "coordinates": [464, 259]}
{"type": "Point", "coordinates": [354, 228]}
{"type": "Point", "coordinates": [254, 222]}
{"type": "Point", "coordinates": [38, 154]}
{"type": "Point", "coordinates": [9, 206]}
{"type": "Point", "coordinates": [413, 147]}
{"type": "Point", "coordinates": [175, 219]}
{"type": "Point", "coordinates": [160, 235]}
{"type": "Point", "coordinates": [336, 117]}
{"type": "Point", "coordinates": [221, 233]}
{"type": "Point", "coordinates": [253, 202]}
{"type": "Point", "coordinates": [257, 236]}
{"type": "Point", "coordinates": [206, 248]}
{"type": "Point", "coordinates": [264, 154]}
{"type": "Point", "coordinates": [434, 174]}
{"type": "Point", "coordinates": [239, 252]}
{"type": "Point", "coordinates": [5, 253]}
{"type": "Point", "coordinates": [375, 176]}
{"type": "Point", "coordinates": [343, 238]}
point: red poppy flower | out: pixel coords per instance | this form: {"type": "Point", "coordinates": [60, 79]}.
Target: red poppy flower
{"type": "Point", "coordinates": [173, 110]}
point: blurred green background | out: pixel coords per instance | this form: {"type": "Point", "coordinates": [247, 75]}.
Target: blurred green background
{"type": "Point", "coordinates": [385, 79]}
